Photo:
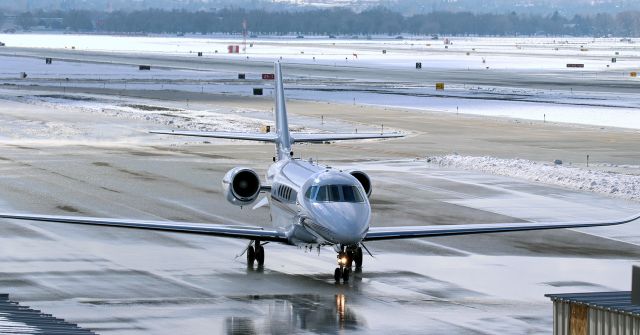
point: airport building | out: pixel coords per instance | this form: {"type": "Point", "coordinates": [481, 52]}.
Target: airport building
{"type": "Point", "coordinates": [598, 313]}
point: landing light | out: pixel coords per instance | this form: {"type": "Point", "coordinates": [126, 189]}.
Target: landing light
{"type": "Point", "coordinates": [343, 260]}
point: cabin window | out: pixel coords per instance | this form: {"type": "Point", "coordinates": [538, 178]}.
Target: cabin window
{"type": "Point", "coordinates": [351, 194]}
{"type": "Point", "coordinates": [286, 193]}
{"type": "Point", "coordinates": [334, 193]}
{"type": "Point", "coordinates": [311, 192]}
{"type": "Point", "coordinates": [323, 194]}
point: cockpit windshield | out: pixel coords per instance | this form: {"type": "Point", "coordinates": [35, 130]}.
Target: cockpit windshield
{"type": "Point", "coordinates": [334, 193]}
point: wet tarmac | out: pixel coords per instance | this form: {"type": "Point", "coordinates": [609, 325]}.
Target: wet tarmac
{"type": "Point", "coordinates": [116, 281]}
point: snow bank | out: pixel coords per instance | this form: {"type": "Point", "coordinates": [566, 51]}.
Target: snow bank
{"type": "Point", "coordinates": [618, 185]}
{"type": "Point", "coordinates": [200, 120]}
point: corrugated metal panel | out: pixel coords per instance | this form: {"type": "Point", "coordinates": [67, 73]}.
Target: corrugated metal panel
{"type": "Point", "coordinates": [593, 321]}
{"type": "Point", "coordinates": [16, 319]}
{"type": "Point", "coordinates": [561, 316]}
{"type": "Point", "coordinates": [609, 313]}
{"type": "Point", "coordinates": [614, 301]}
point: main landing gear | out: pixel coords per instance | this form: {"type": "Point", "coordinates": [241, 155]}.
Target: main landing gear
{"type": "Point", "coordinates": [255, 253]}
{"type": "Point", "coordinates": [346, 259]}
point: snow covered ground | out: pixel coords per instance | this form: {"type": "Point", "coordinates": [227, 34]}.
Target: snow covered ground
{"type": "Point", "coordinates": [514, 54]}
{"type": "Point", "coordinates": [398, 283]}
{"type": "Point", "coordinates": [143, 114]}
{"type": "Point", "coordinates": [625, 186]}
{"type": "Point", "coordinates": [462, 53]}
{"type": "Point", "coordinates": [214, 119]}
{"type": "Point", "coordinates": [579, 107]}
{"type": "Point", "coordinates": [585, 108]}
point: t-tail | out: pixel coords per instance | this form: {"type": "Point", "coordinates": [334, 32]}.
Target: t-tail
{"type": "Point", "coordinates": [283, 140]}
{"type": "Point", "coordinates": [282, 137]}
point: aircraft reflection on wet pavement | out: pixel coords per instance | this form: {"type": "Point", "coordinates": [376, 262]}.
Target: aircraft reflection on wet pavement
{"type": "Point", "coordinates": [311, 205]}
{"type": "Point", "coordinates": [292, 314]}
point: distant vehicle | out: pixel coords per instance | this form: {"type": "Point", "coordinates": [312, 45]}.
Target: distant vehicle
{"type": "Point", "coordinates": [311, 205]}
{"type": "Point", "coordinates": [2, 44]}
{"type": "Point", "coordinates": [435, 37]}
{"type": "Point", "coordinates": [253, 36]}
{"type": "Point", "coordinates": [299, 36]}
{"type": "Point", "coordinates": [332, 36]}
{"type": "Point", "coordinates": [399, 38]}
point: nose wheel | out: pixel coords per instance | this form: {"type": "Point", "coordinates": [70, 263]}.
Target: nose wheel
{"type": "Point", "coordinates": [346, 259]}
{"type": "Point", "coordinates": [342, 273]}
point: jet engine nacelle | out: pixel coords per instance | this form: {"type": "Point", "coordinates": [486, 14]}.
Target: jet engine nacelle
{"type": "Point", "coordinates": [364, 180]}
{"type": "Point", "coordinates": [241, 186]}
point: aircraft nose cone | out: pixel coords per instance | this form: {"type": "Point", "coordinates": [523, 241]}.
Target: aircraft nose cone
{"type": "Point", "coordinates": [349, 236]}
{"type": "Point", "coordinates": [343, 224]}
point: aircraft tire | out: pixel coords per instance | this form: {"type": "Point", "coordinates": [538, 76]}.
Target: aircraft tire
{"type": "Point", "coordinates": [358, 257]}
{"type": "Point", "coordinates": [260, 254]}
{"type": "Point", "coordinates": [337, 274]}
{"type": "Point", "coordinates": [350, 257]}
{"type": "Point", "coordinates": [251, 256]}
{"type": "Point", "coordinates": [345, 274]}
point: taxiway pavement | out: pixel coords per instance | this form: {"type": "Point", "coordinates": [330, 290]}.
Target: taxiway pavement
{"type": "Point", "coordinates": [117, 281]}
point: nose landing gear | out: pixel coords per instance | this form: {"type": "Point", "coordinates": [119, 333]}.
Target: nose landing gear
{"type": "Point", "coordinates": [357, 257]}
{"type": "Point", "coordinates": [344, 267]}
{"type": "Point", "coordinates": [343, 273]}
{"type": "Point", "coordinates": [346, 258]}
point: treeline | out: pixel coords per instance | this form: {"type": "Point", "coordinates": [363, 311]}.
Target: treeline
{"type": "Point", "coordinates": [335, 22]}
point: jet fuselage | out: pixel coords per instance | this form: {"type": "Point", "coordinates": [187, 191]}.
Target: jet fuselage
{"type": "Point", "coordinates": [315, 204]}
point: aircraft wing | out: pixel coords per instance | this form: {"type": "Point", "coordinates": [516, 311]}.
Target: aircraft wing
{"type": "Point", "coordinates": [401, 232]}
{"type": "Point", "coordinates": [305, 137]}
{"type": "Point", "coordinates": [262, 137]}
{"type": "Point", "coordinates": [242, 232]}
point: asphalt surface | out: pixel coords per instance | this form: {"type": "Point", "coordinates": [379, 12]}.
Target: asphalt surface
{"type": "Point", "coordinates": [118, 281]}
{"type": "Point", "coordinates": [579, 80]}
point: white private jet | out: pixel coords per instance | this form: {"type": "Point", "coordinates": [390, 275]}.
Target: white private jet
{"type": "Point", "coordinates": [311, 205]}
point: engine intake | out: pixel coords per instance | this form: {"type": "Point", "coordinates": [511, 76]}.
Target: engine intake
{"type": "Point", "coordinates": [364, 180]}
{"type": "Point", "coordinates": [241, 186]}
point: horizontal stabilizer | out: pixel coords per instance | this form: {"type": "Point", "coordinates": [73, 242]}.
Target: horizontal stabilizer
{"type": "Point", "coordinates": [271, 137]}
{"type": "Point", "coordinates": [261, 137]}
{"type": "Point", "coordinates": [304, 137]}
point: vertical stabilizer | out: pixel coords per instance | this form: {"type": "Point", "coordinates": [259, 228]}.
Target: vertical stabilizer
{"type": "Point", "coordinates": [283, 142]}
